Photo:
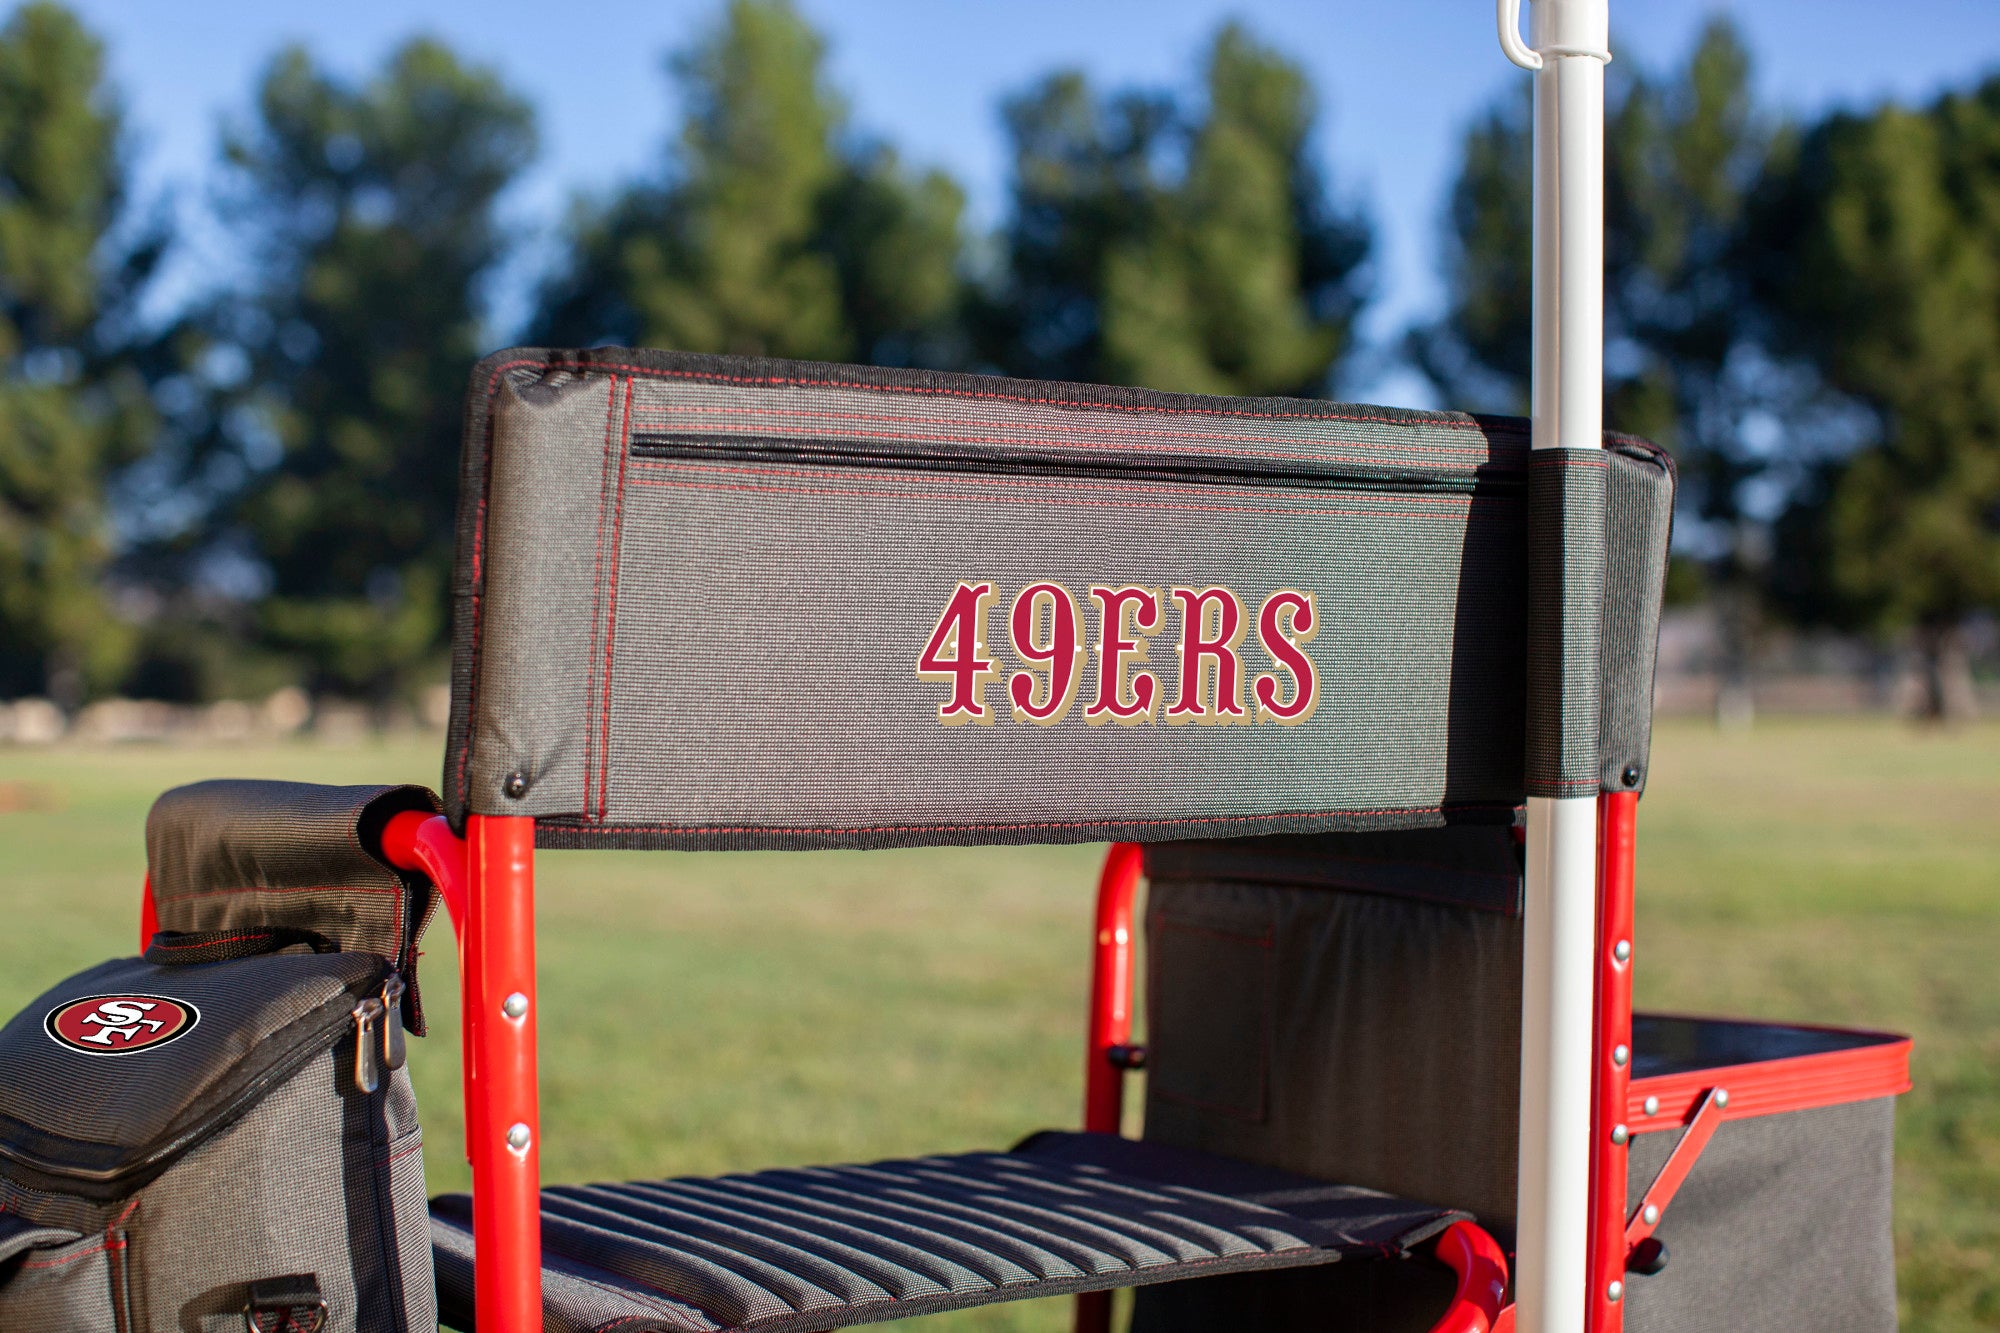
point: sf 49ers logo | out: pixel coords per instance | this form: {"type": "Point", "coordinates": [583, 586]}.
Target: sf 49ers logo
{"type": "Point", "coordinates": [116, 1024]}
{"type": "Point", "coordinates": [1098, 649]}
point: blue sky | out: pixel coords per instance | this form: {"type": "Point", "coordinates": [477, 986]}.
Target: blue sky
{"type": "Point", "coordinates": [1398, 80]}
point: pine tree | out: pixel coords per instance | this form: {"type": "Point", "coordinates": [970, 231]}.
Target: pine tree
{"type": "Point", "coordinates": [73, 408]}
{"type": "Point", "coordinates": [1879, 247]}
{"type": "Point", "coordinates": [366, 213]}
{"type": "Point", "coordinates": [775, 230]}
{"type": "Point", "coordinates": [1235, 273]}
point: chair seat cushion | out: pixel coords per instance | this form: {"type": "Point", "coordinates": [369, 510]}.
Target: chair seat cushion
{"type": "Point", "coordinates": [827, 1247]}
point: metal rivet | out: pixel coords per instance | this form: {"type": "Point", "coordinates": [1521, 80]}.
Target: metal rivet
{"type": "Point", "coordinates": [1620, 1054]}
{"type": "Point", "coordinates": [1652, 1214]}
{"type": "Point", "coordinates": [1619, 1134]}
{"type": "Point", "coordinates": [515, 785]}
{"type": "Point", "coordinates": [514, 1005]}
{"type": "Point", "coordinates": [518, 1137]}
{"type": "Point", "coordinates": [1630, 777]}
{"type": "Point", "coordinates": [1652, 1106]}
{"type": "Point", "coordinates": [1721, 1097]}
{"type": "Point", "coordinates": [1615, 1292]}
{"type": "Point", "coordinates": [1622, 951]}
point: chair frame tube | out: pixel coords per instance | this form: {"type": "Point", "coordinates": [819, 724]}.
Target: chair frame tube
{"type": "Point", "coordinates": [504, 1121]}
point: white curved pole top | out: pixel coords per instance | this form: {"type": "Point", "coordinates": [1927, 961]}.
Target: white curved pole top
{"type": "Point", "coordinates": [1563, 28]}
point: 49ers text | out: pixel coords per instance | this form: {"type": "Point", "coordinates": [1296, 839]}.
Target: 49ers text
{"type": "Point", "coordinates": [1101, 645]}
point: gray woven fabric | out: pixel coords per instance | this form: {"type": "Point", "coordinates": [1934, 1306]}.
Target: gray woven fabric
{"type": "Point", "coordinates": [830, 1247]}
{"type": "Point", "coordinates": [232, 853]}
{"type": "Point", "coordinates": [116, 1120]}
{"type": "Point", "coordinates": [1360, 1036]}
{"type": "Point", "coordinates": [1784, 1223]}
{"type": "Point", "coordinates": [1470, 865]}
{"type": "Point", "coordinates": [1566, 573]}
{"type": "Point", "coordinates": [692, 593]}
{"type": "Point", "coordinates": [167, 1178]}
{"type": "Point", "coordinates": [1641, 509]}
{"type": "Point", "coordinates": [65, 1285]}
{"type": "Point", "coordinates": [318, 1178]}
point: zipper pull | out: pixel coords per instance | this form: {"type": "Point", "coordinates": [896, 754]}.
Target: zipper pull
{"type": "Point", "coordinates": [395, 1050]}
{"type": "Point", "coordinates": [367, 1064]}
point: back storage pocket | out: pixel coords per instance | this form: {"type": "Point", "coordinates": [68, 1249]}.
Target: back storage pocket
{"type": "Point", "coordinates": [1783, 1219]}
{"type": "Point", "coordinates": [1210, 987]}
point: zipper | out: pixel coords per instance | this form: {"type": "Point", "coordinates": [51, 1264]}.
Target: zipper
{"type": "Point", "coordinates": [1500, 476]}
{"type": "Point", "coordinates": [308, 1038]}
{"type": "Point", "coordinates": [367, 1058]}
{"type": "Point", "coordinates": [378, 1034]}
{"type": "Point", "coordinates": [395, 1050]}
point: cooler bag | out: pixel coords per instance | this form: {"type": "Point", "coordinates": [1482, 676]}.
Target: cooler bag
{"type": "Point", "coordinates": [220, 1135]}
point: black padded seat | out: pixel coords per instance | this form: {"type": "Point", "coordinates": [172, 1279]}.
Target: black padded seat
{"type": "Point", "coordinates": [827, 1247]}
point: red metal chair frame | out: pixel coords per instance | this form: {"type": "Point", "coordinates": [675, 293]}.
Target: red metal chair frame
{"type": "Point", "coordinates": [487, 881]}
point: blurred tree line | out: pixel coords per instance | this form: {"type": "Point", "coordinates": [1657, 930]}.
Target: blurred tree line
{"type": "Point", "coordinates": [259, 488]}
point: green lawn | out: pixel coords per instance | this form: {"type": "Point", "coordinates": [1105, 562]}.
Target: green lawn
{"type": "Point", "coordinates": [710, 1012]}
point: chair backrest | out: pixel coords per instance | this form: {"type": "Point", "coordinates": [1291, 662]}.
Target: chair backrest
{"type": "Point", "coordinates": [718, 602]}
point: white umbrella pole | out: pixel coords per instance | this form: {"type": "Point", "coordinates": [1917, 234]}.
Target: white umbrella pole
{"type": "Point", "coordinates": [1568, 48]}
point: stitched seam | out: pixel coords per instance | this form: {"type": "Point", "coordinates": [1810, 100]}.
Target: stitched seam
{"type": "Point", "coordinates": [1051, 438]}
{"type": "Point", "coordinates": [611, 612]}
{"type": "Point", "coordinates": [597, 601]}
{"type": "Point", "coordinates": [211, 944]}
{"type": "Point", "coordinates": [1150, 506]}
{"type": "Point", "coordinates": [558, 822]}
{"type": "Point", "coordinates": [1027, 483]}
{"type": "Point", "coordinates": [1438, 421]}
{"type": "Point", "coordinates": [478, 580]}
{"type": "Point", "coordinates": [99, 1248]}
{"type": "Point", "coordinates": [268, 888]}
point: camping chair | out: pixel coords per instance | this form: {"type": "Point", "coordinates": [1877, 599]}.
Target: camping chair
{"type": "Point", "coordinates": [1364, 693]}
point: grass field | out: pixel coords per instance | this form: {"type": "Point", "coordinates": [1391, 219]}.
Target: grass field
{"type": "Point", "coordinates": [710, 1012]}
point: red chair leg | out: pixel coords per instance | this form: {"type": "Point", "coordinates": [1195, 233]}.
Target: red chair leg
{"type": "Point", "coordinates": [500, 1033]}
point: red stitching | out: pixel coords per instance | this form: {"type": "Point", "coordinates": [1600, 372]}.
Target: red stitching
{"type": "Point", "coordinates": [1052, 437]}
{"type": "Point", "coordinates": [947, 827]}
{"type": "Point", "coordinates": [597, 598]}
{"type": "Point", "coordinates": [70, 1258]}
{"type": "Point", "coordinates": [209, 944]}
{"type": "Point", "coordinates": [728, 469]}
{"type": "Point", "coordinates": [611, 613]}
{"type": "Point", "coordinates": [478, 578]}
{"type": "Point", "coordinates": [266, 888]}
{"type": "Point", "coordinates": [1029, 499]}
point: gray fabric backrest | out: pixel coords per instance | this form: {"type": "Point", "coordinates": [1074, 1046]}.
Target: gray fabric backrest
{"type": "Point", "coordinates": [718, 602]}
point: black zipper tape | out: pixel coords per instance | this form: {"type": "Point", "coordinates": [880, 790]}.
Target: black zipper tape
{"type": "Point", "coordinates": [1504, 475]}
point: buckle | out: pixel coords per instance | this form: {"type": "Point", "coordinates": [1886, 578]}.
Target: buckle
{"type": "Point", "coordinates": [292, 1304]}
